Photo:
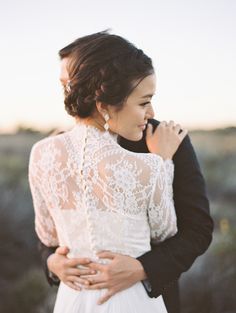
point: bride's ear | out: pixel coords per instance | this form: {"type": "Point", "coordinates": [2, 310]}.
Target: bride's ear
{"type": "Point", "coordinates": [101, 108]}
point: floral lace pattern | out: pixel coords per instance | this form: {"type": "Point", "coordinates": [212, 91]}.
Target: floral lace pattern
{"type": "Point", "coordinates": [90, 194]}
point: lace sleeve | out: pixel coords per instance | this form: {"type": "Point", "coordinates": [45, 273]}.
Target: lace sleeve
{"type": "Point", "coordinates": [44, 224]}
{"type": "Point", "coordinates": [161, 211]}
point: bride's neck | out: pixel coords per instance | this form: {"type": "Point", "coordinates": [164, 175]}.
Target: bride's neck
{"type": "Point", "coordinates": [96, 122]}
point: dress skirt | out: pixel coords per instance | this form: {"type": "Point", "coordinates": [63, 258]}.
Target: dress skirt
{"type": "Point", "coordinates": [131, 300]}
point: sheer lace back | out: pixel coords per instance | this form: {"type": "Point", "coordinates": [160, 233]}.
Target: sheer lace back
{"type": "Point", "coordinates": [90, 194]}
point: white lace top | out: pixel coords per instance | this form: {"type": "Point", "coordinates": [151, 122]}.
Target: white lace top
{"type": "Point", "coordinates": [90, 194]}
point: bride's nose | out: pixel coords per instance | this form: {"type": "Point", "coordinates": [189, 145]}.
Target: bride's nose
{"type": "Point", "coordinates": [150, 112]}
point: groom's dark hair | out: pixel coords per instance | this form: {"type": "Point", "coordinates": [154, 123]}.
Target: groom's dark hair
{"type": "Point", "coordinates": [102, 67]}
{"type": "Point", "coordinates": [67, 50]}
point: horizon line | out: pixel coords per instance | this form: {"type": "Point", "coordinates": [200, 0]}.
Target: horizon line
{"type": "Point", "coordinates": [24, 128]}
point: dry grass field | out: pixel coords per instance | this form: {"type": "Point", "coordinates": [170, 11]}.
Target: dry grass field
{"type": "Point", "coordinates": [209, 286]}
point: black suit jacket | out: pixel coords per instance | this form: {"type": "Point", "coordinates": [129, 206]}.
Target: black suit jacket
{"type": "Point", "coordinates": [167, 261]}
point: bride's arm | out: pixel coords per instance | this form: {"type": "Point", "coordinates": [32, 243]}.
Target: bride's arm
{"type": "Point", "coordinates": [163, 142]}
{"type": "Point", "coordinates": [161, 211]}
{"type": "Point", "coordinates": [44, 224]}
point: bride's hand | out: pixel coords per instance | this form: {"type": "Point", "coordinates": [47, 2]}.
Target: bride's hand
{"type": "Point", "coordinates": [166, 139]}
{"type": "Point", "coordinates": [69, 270]}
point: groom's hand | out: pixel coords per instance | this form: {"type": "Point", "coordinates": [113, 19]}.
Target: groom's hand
{"type": "Point", "coordinates": [69, 270]}
{"type": "Point", "coordinates": [122, 272]}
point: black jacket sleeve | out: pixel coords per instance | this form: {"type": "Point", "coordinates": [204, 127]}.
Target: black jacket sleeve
{"type": "Point", "coordinates": [45, 252]}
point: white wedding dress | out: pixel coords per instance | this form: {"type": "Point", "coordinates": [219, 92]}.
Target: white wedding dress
{"type": "Point", "coordinates": [90, 194]}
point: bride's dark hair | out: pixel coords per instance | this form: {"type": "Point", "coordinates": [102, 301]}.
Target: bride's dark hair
{"type": "Point", "coordinates": [102, 67]}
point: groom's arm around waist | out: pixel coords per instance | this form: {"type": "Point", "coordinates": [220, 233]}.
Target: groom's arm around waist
{"type": "Point", "coordinates": [44, 253]}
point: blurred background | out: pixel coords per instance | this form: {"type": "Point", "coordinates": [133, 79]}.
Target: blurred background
{"type": "Point", "coordinates": [193, 46]}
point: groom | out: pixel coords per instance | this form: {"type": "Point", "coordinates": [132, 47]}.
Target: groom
{"type": "Point", "coordinates": [160, 268]}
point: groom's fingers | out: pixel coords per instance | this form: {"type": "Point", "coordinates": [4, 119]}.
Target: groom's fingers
{"type": "Point", "coordinates": [97, 266]}
{"type": "Point", "coordinates": [107, 296]}
{"type": "Point", "coordinates": [79, 272]}
{"type": "Point", "coordinates": [96, 278]}
{"type": "Point", "coordinates": [78, 261]}
{"type": "Point", "coordinates": [77, 281]}
{"type": "Point", "coordinates": [72, 285]}
{"type": "Point", "coordinates": [106, 255]}
{"type": "Point", "coordinates": [96, 286]}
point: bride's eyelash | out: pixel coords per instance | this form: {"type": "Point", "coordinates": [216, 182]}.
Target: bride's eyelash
{"type": "Point", "coordinates": [143, 104]}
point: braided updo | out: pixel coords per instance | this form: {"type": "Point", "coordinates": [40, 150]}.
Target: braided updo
{"type": "Point", "coordinates": [102, 67]}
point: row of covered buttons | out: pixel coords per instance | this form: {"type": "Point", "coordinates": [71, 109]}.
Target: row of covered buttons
{"type": "Point", "coordinates": [88, 197]}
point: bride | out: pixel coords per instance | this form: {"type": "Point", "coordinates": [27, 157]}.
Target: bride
{"type": "Point", "coordinates": [89, 193]}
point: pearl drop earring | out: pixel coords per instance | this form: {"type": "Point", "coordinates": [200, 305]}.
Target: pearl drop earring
{"type": "Point", "coordinates": [106, 118]}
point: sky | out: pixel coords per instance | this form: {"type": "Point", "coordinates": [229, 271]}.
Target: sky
{"type": "Point", "coordinates": [191, 42]}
